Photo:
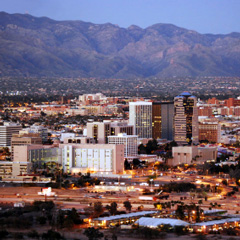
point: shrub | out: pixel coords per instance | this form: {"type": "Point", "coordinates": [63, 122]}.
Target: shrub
{"type": "Point", "coordinates": [33, 234]}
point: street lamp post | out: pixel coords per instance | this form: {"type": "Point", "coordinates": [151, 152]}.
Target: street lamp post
{"type": "Point", "coordinates": [151, 180]}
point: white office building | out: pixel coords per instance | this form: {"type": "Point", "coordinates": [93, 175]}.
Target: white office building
{"type": "Point", "coordinates": [130, 143]}
{"type": "Point", "coordinates": [6, 132]}
{"type": "Point", "coordinates": [140, 116]}
{"type": "Point", "coordinates": [94, 158]}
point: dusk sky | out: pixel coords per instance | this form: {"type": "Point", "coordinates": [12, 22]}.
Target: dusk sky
{"type": "Point", "coordinates": [204, 16]}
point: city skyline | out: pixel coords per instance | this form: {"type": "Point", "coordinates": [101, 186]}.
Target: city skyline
{"type": "Point", "coordinates": [118, 131]}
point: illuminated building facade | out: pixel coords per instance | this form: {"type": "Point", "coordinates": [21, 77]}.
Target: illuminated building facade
{"type": "Point", "coordinates": [210, 131]}
{"type": "Point", "coordinates": [162, 120]}
{"type": "Point", "coordinates": [140, 116]}
{"type": "Point", "coordinates": [106, 158]}
{"type": "Point", "coordinates": [185, 119]}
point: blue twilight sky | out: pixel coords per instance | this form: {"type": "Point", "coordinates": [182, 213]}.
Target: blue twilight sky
{"type": "Point", "coordinates": [204, 16]}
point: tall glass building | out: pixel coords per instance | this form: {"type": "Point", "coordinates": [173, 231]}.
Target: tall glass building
{"type": "Point", "coordinates": [140, 116]}
{"type": "Point", "coordinates": [185, 119]}
{"type": "Point", "coordinates": [162, 120]}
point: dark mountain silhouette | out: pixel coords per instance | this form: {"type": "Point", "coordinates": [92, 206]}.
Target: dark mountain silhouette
{"type": "Point", "coordinates": [31, 46]}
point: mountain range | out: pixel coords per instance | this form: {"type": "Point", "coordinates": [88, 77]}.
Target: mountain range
{"type": "Point", "coordinates": [31, 46]}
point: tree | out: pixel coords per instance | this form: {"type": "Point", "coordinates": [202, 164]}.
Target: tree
{"type": "Point", "coordinates": [43, 114]}
{"type": "Point", "coordinates": [59, 219]}
{"type": "Point", "coordinates": [93, 234]}
{"type": "Point", "coordinates": [198, 214]}
{"type": "Point", "coordinates": [74, 216]}
{"type": "Point", "coordinates": [98, 209]}
{"type": "Point", "coordinates": [3, 234]}
{"type": "Point", "coordinates": [224, 182]}
{"type": "Point", "coordinates": [127, 165]}
{"type": "Point", "coordinates": [180, 230]}
{"type": "Point", "coordinates": [200, 237]}
{"type": "Point", "coordinates": [135, 163]}
{"type": "Point", "coordinates": [34, 178]}
{"type": "Point", "coordinates": [113, 208]}
{"type": "Point", "coordinates": [42, 220]}
{"type": "Point", "coordinates": [148, 233]}
{"type": "Point", "coordinates": [180, 212]}
{"type": "Point", "coordinates": [151, 146]}
{"type": "Point", "coordinates": [52, 235]}
{"type": "Point", "coordinates": [68, 223]}
{"type": "Point", "coordinates": [127, 205]}
{"type": "Point", "coordinates": [33, 234]}
{"type": "Point", "coordinates": [141, 149]}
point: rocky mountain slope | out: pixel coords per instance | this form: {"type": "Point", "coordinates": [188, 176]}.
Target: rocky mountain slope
{"type": "Point", "coordinates": [31, 46]}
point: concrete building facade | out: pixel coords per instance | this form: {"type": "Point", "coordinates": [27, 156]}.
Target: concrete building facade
{"type": "Point", "coordinates": [79, 140]}
{"type": "Point", "coordinates": [100, 131]}
{"type": "Point", "coordinates": [106, 158]}
{"type": "Point", "coordinates": [192, 154]}
{"type": "Point", "coordinates": [130, 143]}
{"type": "Point", "coordinates": [140, 116]}
{"type": "Point", "coordinates": [210, 131]}
{"type": "Point", "coordinates": [6, 132]}
{"type": "Point", "coordinates": [24, 139]}
{"type": "Point", "coordinates": [121, 127]}
{"type": "Point", "coordinates": [13, 169]}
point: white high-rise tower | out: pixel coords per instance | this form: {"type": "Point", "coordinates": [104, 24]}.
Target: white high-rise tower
{"type": "Point", "coordinates": [140, 116]}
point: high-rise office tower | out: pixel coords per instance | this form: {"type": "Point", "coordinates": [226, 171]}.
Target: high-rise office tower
{"type": "Point", "coordinates": [140, 116]}
{"type": "Point", "coordinates": [162, 120]}
{"type": "Point", "coordinates": [156, 120]}
{"type": "Point", "coordinates": [185, 119]}
{"type": "Point", "coordinates": [6, 132]}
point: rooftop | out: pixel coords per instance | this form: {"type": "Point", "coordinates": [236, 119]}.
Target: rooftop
{"type": "Point", "coordinates": [129, 215]}
{"type": "Point", "coordinates": [154, 222]}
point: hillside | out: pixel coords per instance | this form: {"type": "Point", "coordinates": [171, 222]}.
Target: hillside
{"type": "Point", "coordinates": [31, 46]}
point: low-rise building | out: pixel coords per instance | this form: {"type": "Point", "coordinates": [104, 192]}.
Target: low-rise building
{"type": "Point", "coordinates": [13, 169]}
{"type": "Point", "coordinates": [25, 139]}
{"type": "Point", "coordinates": [192, 154]}
{"type": "Point", "coordinates": [130, 143]}
{"type": "Point", "coordinates": [106, 158]}
{"type": "Point", "coordinates": [37, 155]}
{"type": "Point", "coordinates": [210, 131]}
